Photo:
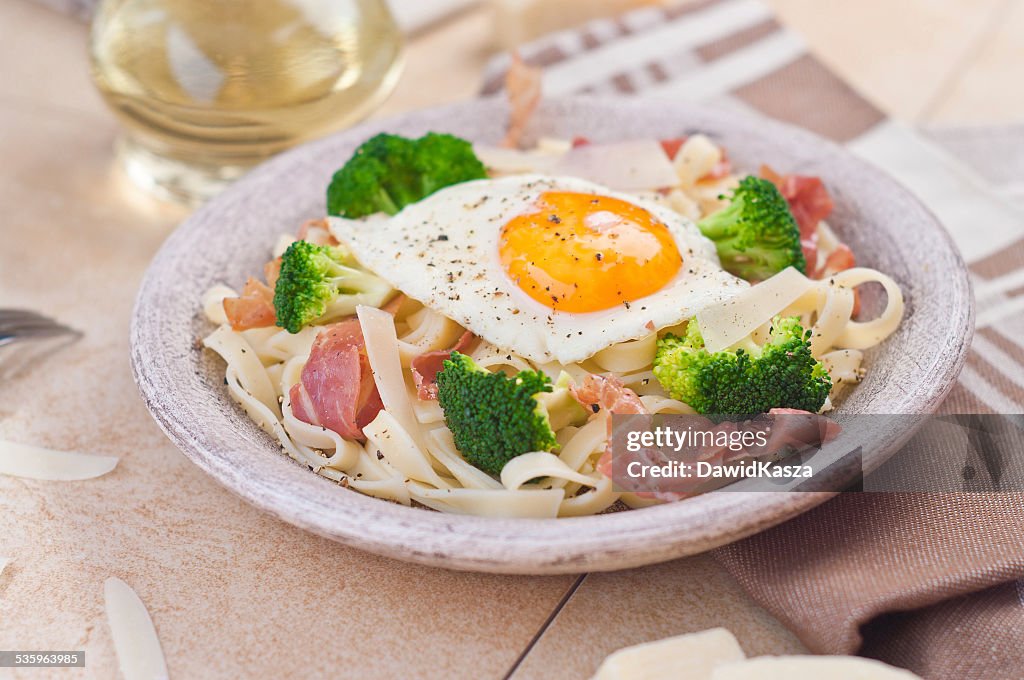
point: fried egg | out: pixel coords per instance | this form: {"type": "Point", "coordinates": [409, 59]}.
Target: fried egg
{"type": "Point", "coordinates": [550, 268]}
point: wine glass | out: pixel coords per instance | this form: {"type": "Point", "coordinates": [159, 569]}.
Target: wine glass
{"type": "Point", "coordinates": [208, 88]}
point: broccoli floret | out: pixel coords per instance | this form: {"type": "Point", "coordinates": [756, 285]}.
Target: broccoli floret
{"type": "Point", "coordinates": [388, 172]}
{"type": "Point", "coordinates": [755, 235]}
{"type": "Point", "coordinates": [780, 374]}
{"type": "Point", "coordinates": [493, 417]}
{"type": "Point", "coordinates": [320, 283]}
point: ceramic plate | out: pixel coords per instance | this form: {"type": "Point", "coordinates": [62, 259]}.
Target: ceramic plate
{"type": "Point", "coordinates": [231, 237]}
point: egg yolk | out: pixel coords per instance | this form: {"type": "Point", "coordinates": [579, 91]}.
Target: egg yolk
{"type": "Point", "coordinates": [585, 253]}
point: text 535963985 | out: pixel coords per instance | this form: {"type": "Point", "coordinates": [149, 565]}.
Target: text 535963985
{"type": "Point", "coordinates": [41, 659]}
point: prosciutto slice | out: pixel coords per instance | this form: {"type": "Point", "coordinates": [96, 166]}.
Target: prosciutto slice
{"type": "Point", "coordinates": [808, 200]}
{"type": "Point", "coordinates": [609, 393]}
{"type": "Point", "coordinates": [426, 366]}
{"type": "Point", "coordinates": [838, 260]}
{"type": "Point", "coordinates": [336, 390]}
{"type": "Point", "coordinates": [254, 308]}
{"type": "Point", "coordinates": [523, 86]}
{"type": "Point", "coordinates": [316, 231]}
{"type": "Point", "coordinates": [810, 203]}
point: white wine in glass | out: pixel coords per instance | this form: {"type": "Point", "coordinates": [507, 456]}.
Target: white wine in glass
{"type": "Point", "coordinates": [208, 88]}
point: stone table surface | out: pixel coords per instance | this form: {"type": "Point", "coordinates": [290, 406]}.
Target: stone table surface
{"type": "Point", "coordinates": [234, 592]}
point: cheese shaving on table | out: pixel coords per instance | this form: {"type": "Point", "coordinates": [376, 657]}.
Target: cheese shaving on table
{"type": "Point", "coordinates": [684, 657]}
{"type": "Point", "coordinates": [811, 668]}
{"type": "Point", "coordinates": [138, 649]}
{"type": "Point", "coordinates": [715, 654]}
{"type": "Point", "coordinates": [34, 462]}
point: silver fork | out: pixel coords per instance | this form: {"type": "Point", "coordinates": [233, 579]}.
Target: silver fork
{"type": "Point", "coordinates": [27, 336]}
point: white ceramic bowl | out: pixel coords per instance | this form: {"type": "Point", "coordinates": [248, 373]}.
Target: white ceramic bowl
{"type": "Point", "coordinates": [231, 237]}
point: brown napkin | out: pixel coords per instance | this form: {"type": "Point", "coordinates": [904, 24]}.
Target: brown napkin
{"type": "Point", "coordinates": [927, 581]}
{"type": "Point", "coordinates": [938, 570]}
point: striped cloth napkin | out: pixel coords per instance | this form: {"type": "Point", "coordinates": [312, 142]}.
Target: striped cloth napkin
{"type": "Point", "coordinates": [926, 581]}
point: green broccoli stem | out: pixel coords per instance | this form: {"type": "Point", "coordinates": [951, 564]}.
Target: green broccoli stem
{"type": "Point", "coordinates": [719, 226]}
{"type": "Point", "coordinates": [320, 283]}
{"type": "Point", "coordinates": [386, 202]}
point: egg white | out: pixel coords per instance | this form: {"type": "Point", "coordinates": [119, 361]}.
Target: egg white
{"type": "Point", "coordinates": [444, 252]}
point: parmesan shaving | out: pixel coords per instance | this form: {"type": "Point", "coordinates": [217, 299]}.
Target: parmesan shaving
{"type": "Point", "coordinates": [695, 159]}
{"type": "Point", "coordinates": [684, 657]}
{"type": "Point", "coordinates": [34, 462]}
{"type": "Point", "coordinates": [632, 165]}
{"type": "Point", "coordinates": [726, 323]}
{"type": "Point", "coordinates": [4, 561]}
{"type": "Point", "coordinates": [513, 161]}
{"type": "Point", "coordinates": [138, 648]}
{"type": "Point", "coordinates": [810, 668]}
{"type": "Point", "coordinates": [382, 351]}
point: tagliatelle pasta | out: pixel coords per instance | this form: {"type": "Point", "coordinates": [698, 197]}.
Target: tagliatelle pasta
{"type": "Point", "coordinates": [405, 452]}
{"type": "Point", "coordinates": [628, 357]}
{"type": "Point", "coordinates": [867, 334]}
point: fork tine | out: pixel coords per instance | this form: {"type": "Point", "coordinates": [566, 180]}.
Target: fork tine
{"type": "Point", "coordinates": [31, 327]}
{"type": "Point", "coordinates": [26, 322]}
{"type": "Point", "coordinates": [6, 314]}
{"type": "Point", "coordinates": [27, 327]}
